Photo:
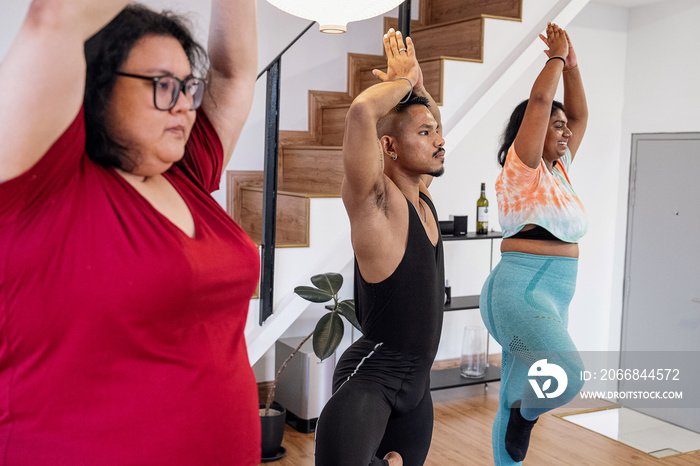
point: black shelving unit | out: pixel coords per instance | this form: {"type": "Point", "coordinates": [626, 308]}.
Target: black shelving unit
{"type": "Point", "coordinates": [489, 235]}
{"type": "Point", "coordinates": [451, 378]}
{"type": "Point", "coordinates": [459, 303]}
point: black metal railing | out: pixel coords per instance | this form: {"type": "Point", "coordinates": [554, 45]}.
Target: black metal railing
{"type": "Point", "coordinates": [269, 213]}
{"type": "Point", "coordinates": [405, 18]}
{"type": "Point", "coordinates": [272, 119]}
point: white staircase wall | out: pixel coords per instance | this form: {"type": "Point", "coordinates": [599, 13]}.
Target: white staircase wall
{"type": "Point", "coordinates": [466, 82]}
{"type": "Point", "coordinates": [509, 51]}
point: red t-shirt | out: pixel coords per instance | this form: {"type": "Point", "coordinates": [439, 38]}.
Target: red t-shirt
{"type": "Point", "coordinates": [121, 338]}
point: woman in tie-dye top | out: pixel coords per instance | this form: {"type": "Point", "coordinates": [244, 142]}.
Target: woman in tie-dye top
{"type": "Point", "coordinates": [524, 302]}
{"type": "Point", "coordinates": [542, 197]}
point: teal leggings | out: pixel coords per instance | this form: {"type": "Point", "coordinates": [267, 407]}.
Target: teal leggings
{"type": "Point", "coordinates": [525, 306]}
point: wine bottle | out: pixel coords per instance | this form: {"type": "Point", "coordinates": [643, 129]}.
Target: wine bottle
{"type": "Point", "coordinates": [482, 212]}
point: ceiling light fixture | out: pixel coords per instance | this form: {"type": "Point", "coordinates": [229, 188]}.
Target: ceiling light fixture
{"type": "Point", "coordinates": [333, 16]}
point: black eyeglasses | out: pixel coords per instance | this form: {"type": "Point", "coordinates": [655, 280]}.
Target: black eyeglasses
{"type": "Point", "coordinates": [166, 89]}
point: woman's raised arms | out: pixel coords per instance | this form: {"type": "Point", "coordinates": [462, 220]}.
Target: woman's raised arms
{"type": "Point", "coordinates": [529, 143]}
{"type": "Point", "coordinates": [233, 53]}
{"type": "Point", "coordinates": [42, 77]}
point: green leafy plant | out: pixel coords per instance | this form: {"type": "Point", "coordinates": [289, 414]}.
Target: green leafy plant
{"type": "Point", "coordinates": [329, 328]}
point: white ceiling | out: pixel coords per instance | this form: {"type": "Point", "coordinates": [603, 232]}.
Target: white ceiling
{"type": "Point", "coordinates": [629, 3]}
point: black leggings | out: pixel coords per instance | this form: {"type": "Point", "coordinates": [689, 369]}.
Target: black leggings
{"type": "Point", "coordinates": [360, 424]}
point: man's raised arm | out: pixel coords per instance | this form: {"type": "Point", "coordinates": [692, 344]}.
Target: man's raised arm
{"type": "Point", "coordinates": [363, 154]}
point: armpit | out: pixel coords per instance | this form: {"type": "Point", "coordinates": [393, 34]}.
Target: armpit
{"type": "Point", "coordinates": [380, 199]}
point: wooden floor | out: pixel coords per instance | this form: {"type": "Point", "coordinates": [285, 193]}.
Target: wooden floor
{"type": "Point", "coordinates": [462, 436]}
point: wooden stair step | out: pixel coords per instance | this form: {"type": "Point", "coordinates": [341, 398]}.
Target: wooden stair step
{"type": "Point", "coordinates": [318, 100]}
{"type": "Point", "coordinates": [442, 11]}
{"type": "Point", "coordinates": [456, 40]}
{"type": "Point", "coordinates": [333, 124]}
{"type": "Point", "coordinates": [329, 118]}
{"type": "Point", "coordinates": [314, 170]}
{"type": "Point", "coordinates": [244, 205]}
{"type": "Point", "coordinates": [360, 66]}
{"type": "Point", "coordinates": [432, 74]}
{"type": "Point", "coordinates": [292, 217]}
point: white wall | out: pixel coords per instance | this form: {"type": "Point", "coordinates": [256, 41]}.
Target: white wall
{"type": "Point", "coordinates": [603, 42]}
{"type": "Point", "coordinates": [662, 94]}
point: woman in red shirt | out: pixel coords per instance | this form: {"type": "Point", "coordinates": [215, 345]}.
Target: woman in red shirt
{"type": "Point", "coordinates": [124, 286]}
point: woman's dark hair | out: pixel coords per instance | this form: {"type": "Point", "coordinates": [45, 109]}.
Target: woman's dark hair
{"type": "Point", "coordinates": [516, 119]}
{"type": "Point", "coordinates": [105, 52]}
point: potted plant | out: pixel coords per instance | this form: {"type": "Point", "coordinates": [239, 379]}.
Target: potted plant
{"type": "Point", "coordinates": [326, 336]}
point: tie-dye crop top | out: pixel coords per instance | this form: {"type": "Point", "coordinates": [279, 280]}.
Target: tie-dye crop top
{"type": "Point", "coordinates": [535, 196]}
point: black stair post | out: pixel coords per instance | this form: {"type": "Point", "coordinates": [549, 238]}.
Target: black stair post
{"type": "Point", "coordinates": [272, 121]}
{"type": "Point", "coordinates": [405, 18]}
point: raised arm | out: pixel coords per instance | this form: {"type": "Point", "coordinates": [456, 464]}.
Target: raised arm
{"type": "Point", "coordinates": [418, 89]}
{"type": "Point", "coordinates": [43, 77]}
{"type": "Point", "coordinates": [529, 142]}
{"type": "Point", "coordinates": [574, 99]}
{"type": "Point", "coordinates": [363, 155]}
{"type": "Point", "coordinates": [233, 53]}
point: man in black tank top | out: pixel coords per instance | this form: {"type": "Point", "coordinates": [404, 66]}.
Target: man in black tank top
{"type": "Point", "coordinates": [381, 412]}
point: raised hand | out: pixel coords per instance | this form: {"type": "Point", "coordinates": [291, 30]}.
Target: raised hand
{"type": "Point", "coordinates": [401, 60]}
{"type": "Point", "coordinates": [571, 60]}
{"type": "Point", "coordinates": [557, 40]}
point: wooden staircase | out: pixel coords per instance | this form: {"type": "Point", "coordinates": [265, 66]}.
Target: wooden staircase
{"type": "Point", "coordinates": [310, 162]}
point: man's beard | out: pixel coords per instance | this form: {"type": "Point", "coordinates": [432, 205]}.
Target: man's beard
{"type": "Point", "coordinates": [437, 173]}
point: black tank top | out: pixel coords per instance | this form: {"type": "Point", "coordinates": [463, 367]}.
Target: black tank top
{"type": "Point", "coordinates": [405, 311]}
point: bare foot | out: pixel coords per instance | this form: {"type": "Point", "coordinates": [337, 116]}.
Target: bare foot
{"type": "Point", "coordinates": [394, 459]}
